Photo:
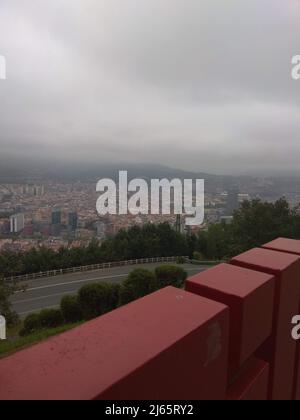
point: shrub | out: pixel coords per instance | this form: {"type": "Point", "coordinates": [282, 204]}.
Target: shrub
{"type": "Point", "coordinates": [198, 256]}
{"type": "Point", "coordinates": [139, 283]}
{"type": "Point", "coordinates": [31, 324]}
{"type": "Point", "coordinates": [97, 299]}
{"type": "Point", "coordinates": [180, 260]}
{"type": "Point", "coordinates": [51, 318]}
{"type": "Point", "coordinates": [70, 309]}
{"type": "Point", "coordinates": [170, 275]}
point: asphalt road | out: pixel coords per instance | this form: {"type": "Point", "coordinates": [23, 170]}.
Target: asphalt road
{"type": "Point", "coordinates": [48, 292]}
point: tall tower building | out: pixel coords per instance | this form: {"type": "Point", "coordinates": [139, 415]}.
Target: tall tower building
{"type": "Point", "coordinates": [56, 222]}
{"type": "Point", "coordinates": [73, 221]}
{"type": "Point", "coordinates": [17, 223]}
{"type": "Point", "coordinates": [56, 217]}
{"type": "Point", "coordinates": [232, 201]}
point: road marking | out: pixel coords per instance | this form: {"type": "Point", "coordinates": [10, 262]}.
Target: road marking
{"type": "Point", "coordinates": [43, 297]}
{"type": "Point", "coordinates": [50, 286]}
{"type": "Point", "coordinates": [115, 276]}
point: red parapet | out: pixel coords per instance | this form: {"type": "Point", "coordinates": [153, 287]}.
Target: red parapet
{"type": "Point", "coordinates": [171, 345]}
{"type": "Point", "coordinates": [290, 246]}
{"type": "Point", "coordinates": [280, 350]}
{"type": "Point", "coordinates": [251, 384]}
{"type": "Point", "coordinates": [250, 297]}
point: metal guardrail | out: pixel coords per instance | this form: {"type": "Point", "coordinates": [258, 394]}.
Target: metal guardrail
{"type": "Point", "coordinates": [93, 267]}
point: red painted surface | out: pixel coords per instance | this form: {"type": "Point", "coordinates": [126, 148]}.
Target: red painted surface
{"type": "Point", "coordinates": [250, 297]}
{"type": "Point", "coordinates": [170, 345]}
{"type": "Point", "coordinates": [280, 350]}
{"type": "Point", "coordinates": [290, 246]}
{"type": "Point", "coordinates": [252, 382]}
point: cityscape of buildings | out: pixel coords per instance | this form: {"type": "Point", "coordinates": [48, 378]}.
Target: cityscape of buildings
{"type": "Point", "coordinates": [56, 215]}
{"type": "Point", "coordinates": [63, 214]}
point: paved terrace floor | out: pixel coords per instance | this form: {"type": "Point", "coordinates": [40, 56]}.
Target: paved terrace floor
{"type": "Point", "coordinates": [48, 292]}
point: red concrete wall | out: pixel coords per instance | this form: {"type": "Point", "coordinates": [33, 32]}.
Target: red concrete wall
{"type": "Point", "coordinates": [251, 383]}
{"type": "Point", "coordinates": [170, 345]}
{"type": "Point", "coordinates": [290, 246]}
{"type": "Point", "coordinates": [250, 297]}
{"type": "Point", "coordinates": [227, 337]}
{"type": "Point", "coordinates": [280, 350]}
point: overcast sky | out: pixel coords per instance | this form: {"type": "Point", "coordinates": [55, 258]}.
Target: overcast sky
{"type": "Point", "coordinates": [194, 84]}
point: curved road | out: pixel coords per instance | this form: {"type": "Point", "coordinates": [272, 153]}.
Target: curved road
{"type": "Point", "coordinates": [48, 292]}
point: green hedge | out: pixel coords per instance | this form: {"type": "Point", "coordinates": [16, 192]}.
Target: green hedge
{"type": "Point", "coordinates": [170, 275]}
{"type": "Point", "coordinates": [138, 284]}
{"type": "Point", "coordinates": [71, 309]}
{"type": "Point", "coordinates": [48, 318]}
{"type": "Point", "coordinates": [51, 318]}
{"type": "Point", "coordinates": [31, 325]}
{"type": "Point", "coordinates": [97, 299]}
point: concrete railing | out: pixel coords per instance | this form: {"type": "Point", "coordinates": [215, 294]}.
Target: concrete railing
{"type": "Point", "coordinates": [227, 337]}
{"type": "Point", "coordinates": [93, 267]}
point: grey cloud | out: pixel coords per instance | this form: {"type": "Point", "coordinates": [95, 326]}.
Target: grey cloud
{"type": "Point", "coordinates": [202, 85]}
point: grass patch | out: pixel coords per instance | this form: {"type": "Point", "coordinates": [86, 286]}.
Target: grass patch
{"type": "Point", "coordinates": [15, 343]}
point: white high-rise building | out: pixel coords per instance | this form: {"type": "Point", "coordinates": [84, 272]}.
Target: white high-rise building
{"type": "Point", "coordinates": [17, 223]}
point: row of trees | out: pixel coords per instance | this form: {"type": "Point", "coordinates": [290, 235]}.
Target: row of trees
{"type": "Point", "coordinates": [138, 242]}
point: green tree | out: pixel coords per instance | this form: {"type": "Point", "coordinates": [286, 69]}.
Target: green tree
{"type": "Point", "coordinates": [253, 225]}
{"type": "Point", "coordinates": [6, 291]}
{"type": "Point", "coordinates": [214, 244]}
{"type": "Point", "coordinates": [10, 264]}
{"type": "Point", "coordinates": [257, 222]}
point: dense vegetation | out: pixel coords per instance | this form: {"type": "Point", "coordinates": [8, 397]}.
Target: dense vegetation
{"type": "Point", "coordinates": [255, 224]}
{"type": "Point", "coordinates": [94, 300]}
{"type": "Point", "coordinates": [6, 291]}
